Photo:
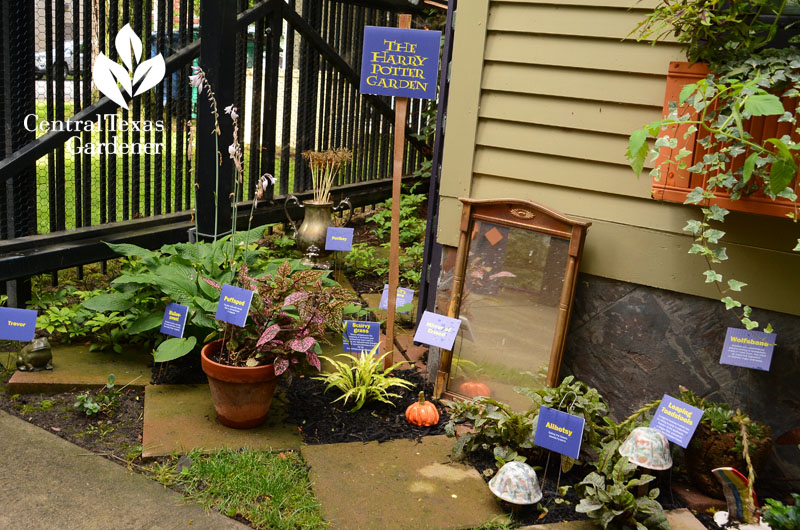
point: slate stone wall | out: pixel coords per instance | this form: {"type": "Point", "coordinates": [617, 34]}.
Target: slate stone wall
{"type": "Point", "coordinates": [636, 343]}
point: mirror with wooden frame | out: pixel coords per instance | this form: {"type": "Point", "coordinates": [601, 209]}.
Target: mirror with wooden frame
{"type": "Point", "coordinates": [513, 285]}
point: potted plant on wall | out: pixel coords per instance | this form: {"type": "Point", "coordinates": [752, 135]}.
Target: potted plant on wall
{"type": "Point", "coordinates": [728, 139]}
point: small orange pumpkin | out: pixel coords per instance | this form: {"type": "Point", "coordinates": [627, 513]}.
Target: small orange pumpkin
{"type": "Point", "coordinates": [474, 389]}
{"type": "Point", "coordinates": [422, 413]}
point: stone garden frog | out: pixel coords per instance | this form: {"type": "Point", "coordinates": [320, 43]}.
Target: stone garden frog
{"type": "Point", "coordinates": [36, 355]}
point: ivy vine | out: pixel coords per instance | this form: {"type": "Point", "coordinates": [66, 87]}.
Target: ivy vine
{"type": "Point", "coordinates": [717, 109]}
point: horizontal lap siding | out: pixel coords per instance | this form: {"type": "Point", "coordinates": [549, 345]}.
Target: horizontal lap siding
{"type": "Point", "coordinates": [561, 86]}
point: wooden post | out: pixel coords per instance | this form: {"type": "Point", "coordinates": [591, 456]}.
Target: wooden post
{"type": "Point", "coordinates": [401, 108]}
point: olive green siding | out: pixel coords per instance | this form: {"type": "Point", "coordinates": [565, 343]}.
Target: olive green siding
{"type": "Point", "coordinates": [543, 97]}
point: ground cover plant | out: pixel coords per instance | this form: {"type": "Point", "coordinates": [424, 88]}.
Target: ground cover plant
{"type": "Point", "coordinates": [266, 490]}
{"type": "Point", "coordinates": [369, 260]}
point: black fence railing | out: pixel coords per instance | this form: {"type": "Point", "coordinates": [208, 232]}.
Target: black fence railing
{"type": "Point", "coordinates": [293, 69]}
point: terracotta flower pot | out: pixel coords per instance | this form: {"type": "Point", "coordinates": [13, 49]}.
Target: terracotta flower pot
{"type": "Point", "coordinates": [241, 395]}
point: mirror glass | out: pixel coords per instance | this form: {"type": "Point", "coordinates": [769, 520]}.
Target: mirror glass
{"type": "Point", "coordinates": [509, 307]}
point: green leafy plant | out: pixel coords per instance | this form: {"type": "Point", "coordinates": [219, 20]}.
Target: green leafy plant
{"type": "Point", "coordinates": [780, 516]}
{"type": "Point", "coordinates": [713, 30]}
{"type": "Point", "coordinates": [291, 311]}
{"type": "Point", "coordinates": [579, 399]}
{"type": "Point", "coordinates": [104, 401]}
{"type": "Point", "coordinates": [612, 502]}
{"type": "Point", "coordinates": [716, 108]}
{"type": "Point", "coordinates": [508, 435]}
{"type": "Point", "coordinates": [363, 378]}
{"type": "Point", "coordinates": [176, 273]}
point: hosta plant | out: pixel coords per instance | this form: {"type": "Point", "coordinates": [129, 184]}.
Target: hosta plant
{"type": "Point", "coordinates": [363, 378]}
{"type": "Point", "coordinates": [612, 502]}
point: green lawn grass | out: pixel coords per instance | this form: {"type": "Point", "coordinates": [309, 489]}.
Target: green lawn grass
{"type": "Point", "coordinates": [71, 197]}
{"type": "Point", "coordinates": [272, 491]}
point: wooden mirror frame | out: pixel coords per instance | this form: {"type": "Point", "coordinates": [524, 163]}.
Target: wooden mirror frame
{"type": "Point", "coordinates": [525, 215]}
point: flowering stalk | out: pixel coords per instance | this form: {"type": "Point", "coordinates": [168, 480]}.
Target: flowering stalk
{"type": "Point", "coordinates": [200, 81]}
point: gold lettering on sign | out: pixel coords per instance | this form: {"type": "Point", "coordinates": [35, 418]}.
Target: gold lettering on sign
{"type": "Point", "coordinates": [522, 213]}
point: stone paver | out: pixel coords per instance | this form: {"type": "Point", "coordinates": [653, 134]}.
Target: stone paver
{"type": "Point", "coordinates": [398, 484]}
{"type": "Point", "coordinates": [75, 367]}
{"type": "Point", "coordinates": [681, 519]}
{"type": "Point", "coordinates": [48, 483]}
{"type": "Point", "coordinates": [182, 417]}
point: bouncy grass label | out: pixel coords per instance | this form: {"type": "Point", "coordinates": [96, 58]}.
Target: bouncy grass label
{"type": "Point", "coordinates": [750, 349]}
{"type": "Point", "coordinates": [234, 304]}
{"type": "Point", "coordinates": [360, 337]}
{"type": "Point", "coordinates": [559, 432]}
{"type": "Point", "coordinates": [404, 298]}
{"type": "Point", "coordinates": [17, 324]}
{"type": "Point", "coordinates": [174, 320]}
{"type": "Point", "coordinates": [437, 330]}
{"type": "Point", "coordinates": [677, 420]}
{"type": "Point", "coordinates": [339, 238]}
{"type": "Point", "coordinates": [400, 62]}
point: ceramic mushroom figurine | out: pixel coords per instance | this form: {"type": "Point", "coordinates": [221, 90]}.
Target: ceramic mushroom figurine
{"type": "Point", "coordinates": [516, 483]}
{"type": "Point", "coordinates": [648, 448]}
{"type": "Point", "coordinates": [36, 355]}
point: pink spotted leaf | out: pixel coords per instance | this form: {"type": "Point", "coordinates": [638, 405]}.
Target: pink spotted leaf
{"type": "Point", "coordinates": [281, 365]}
{"type": "Point", "coordinates": [212, 283]}
{"type": "Point", "coordinates": [313, 360]}
{"type": "Point", "coordinates": [302, 345]}
{"type": "Point", "coordinates": [295, 297]}
{"type": "Point", "coordinates": [268, 334]}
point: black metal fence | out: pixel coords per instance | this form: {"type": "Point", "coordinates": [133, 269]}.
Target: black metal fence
{"type": "Point", "coordinates": [290, 67]}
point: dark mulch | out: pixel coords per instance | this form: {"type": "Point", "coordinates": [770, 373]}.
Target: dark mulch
{"type": "Point", "coordinates": [184, 370]}
{"type": "Point", "coordinates": [323, 422]}
{"type": "Point", "coordinates": [117, 435]}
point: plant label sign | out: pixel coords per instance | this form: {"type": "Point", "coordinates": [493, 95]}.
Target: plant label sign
{"type": "Point", "coordinates": [677, 420]}
{"type": "Point", "coordinates": [404, 297]}
{"type": "Point", "coordinates": [174, 320]}
{"type": "Point", "coordinates": [559, 431]}
{"type": "Point", "coordinates": [400, 62]}
{"type": "Point", "coordinates": [339, 238]}
{"type": "Point", "coordinates": [360, 337]}
{"type": "Point", "coordinates": [17, 324]}
{"type": "Point", "coordinates": [437, 330]}
{"type": "Point", "coordinates": [750, 349]}
{"type": "Point", "coordinates": [234, 304]}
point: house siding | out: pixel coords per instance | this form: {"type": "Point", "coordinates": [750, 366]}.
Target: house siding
{"type": "Point", "coordinates": [543, 98]}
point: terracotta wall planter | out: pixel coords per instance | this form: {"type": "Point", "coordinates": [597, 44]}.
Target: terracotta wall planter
{"type": "Point", "coordinates": [241, 395]}
{"type": "Point", "coordinates": [675, 184]}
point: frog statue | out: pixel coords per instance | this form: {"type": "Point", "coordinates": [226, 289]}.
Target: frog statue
{"type": "Point", "coordinates": [36, 355]}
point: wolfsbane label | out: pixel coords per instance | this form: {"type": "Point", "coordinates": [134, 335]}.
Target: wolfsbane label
{"type": "Point", "coordinates": [103, 122]}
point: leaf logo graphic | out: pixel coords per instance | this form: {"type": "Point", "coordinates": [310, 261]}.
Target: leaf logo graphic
{"type": "Point", "coordinates": [134, 77]}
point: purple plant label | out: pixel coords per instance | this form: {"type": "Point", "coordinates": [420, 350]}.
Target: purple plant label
{"type": "Point", "coordinates": [400, 62]}
{"type": "Point", "coordinates": [677, 420]}
{"type": "Point", "coordinates": [339, 238]}
{"type": "Point", "coordinates": [404, 297]}
{"type": "Point", "coordinates": [174, 320]}
{"type": "Point", "coordinates": [750, 349]}
{"type": "Point", "coordinates": [360, 337]}
{"type": "Point", "coordinates": [559, 432]}
{"type": "Point", "coordinates": [17, 324]}
{"type": "Point", "coordinates": [234, 303]}
{"type": "Point", "coordinates": [437, 330]}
